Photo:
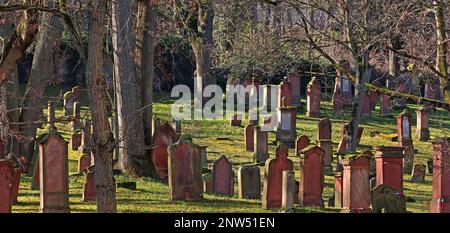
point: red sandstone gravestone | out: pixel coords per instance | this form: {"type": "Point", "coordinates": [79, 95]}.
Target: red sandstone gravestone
{"type": "Point", "coordinates": [15, 185]}
{"type": "Point", "coordinates": [294, 79]}
{"type": "Point", "coordinates": [356, 188]}
{"type": "Point", "coordinates": [249, 137]}
{"type": "Point", "coordinates": [89, 187]}
{"type": "Point", "coordinates": [249, 182]}
{"type": "Point", "coordinates": [261, 153]}
{"type": "Point", "coordinates": [273, 177]}
{"type": "Point", "coordinates": [324, 140]}
{"type": "Point", "coordinates": [313, 98]}
{"type": "Point", "coordinates": [164, 136]}
{"type": "Point", "coordinates": [311, 177]}
{"type": "Point", "coordinates": [389, 166]}
{"type": "Point", "coordinates": [222, 179]}
{"type": "Point", "coordinates": [440, 202]}
{"type": "Point", "coordinates": [422, 131]}
{"type": "Point", "coordinates": [83, 163]}
{"type": "Point", "coordinates": [385, 108]}
{"type": "Point", "coordinates": [6, 182]}
{"type": "Point", "coordinates": [301, 143]}
{"type": "Point", "coordinates": [185, 171]}
{"type": "Point", "coordinates": [285, 92]}
{"type": "Point", "coordinates": [405, 140]}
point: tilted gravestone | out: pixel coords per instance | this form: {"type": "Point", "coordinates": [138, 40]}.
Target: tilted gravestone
{"type": "Point", "coordinates": [164, 136]}
{"type": "Point", "coordinates": [249, 182]}
{"type": "Point", "coordinates": [222, 180]}
{"type": "Point", "coordinates": [6, 182]}
{"type": "Point", "coordinates": [301, 143]}
{"type": "Point", "coordinates": [83, 163]}
{"type": "Point", "coordinates": [385, 199]}
{"type": "Point", "coordinates": [418, 175]}
{"type": "Point", "coordinates": [440, 202]}
{"type": "Point", "coordinates": [313, 98]}
{"type": "Point", "coordinates": [185, 171]}
{"type": "Point", "coordinates": [53, 170]}
{"type": "Point", "coordinates": [273, 178]}
{"type": "Point", "coordinates": [311, 177]}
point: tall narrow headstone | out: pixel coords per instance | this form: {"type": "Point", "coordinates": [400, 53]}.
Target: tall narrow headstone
{"type": "Point", "coordinates": [405, 140]}
{"type": "Point", "coordinates": [249, 182]}
{"type": "Point", "coordinates": [222, 180]}
{"type": "Point", "coordinates": [338, 98]}
{"type": "Point", "coordinates": [185, 171]}
{"type": "Point", "coordinates": [261, 153]}
{"type": "Point", "coordinates": [6, 182]}
{"type": "Point", "coordinates": [164, 136]}
{"type": "Point", "coordinates": [311, 177]}
{"type": "Point", "coordinates": [422, 131]}
{"type": "Point", "coordinates": [204, 156]}
{"type": "Point", "coordinates": [440, 202]}
{"type": "Point", "coordinates": [89, 187]}
{"type": "Point", "coordinates": [301, 143]}
{"type": "Point", "coordinates": [285, 92]}
{"type": "Point", "coordinates": [273, 178]}
{"type": "Point", "coordinates": [294, 79]}
{"type": "Point", "coordinates": [313, 98]}
{"type": "Point", "coordinates": [250, 138]}
{"type": "Point", "coordinates": [389, 162]}
{"type": "Point", "coordinates": [356, 187]}
{"type": "Point", "coordinates": [385, 108]}
{"type": "Point", "coordinates": [324, 140]}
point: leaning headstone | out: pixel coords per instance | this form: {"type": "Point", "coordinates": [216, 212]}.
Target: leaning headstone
{"type": "Point", "coordinates": [89, 187]}
{"type": "Point", "coordinates": [356, 187]}
{"type": "Point", "coordinates": [261, 153]}
{"type": "Point", "coordinates": [389, 166]}
{"type": "Point", "coordinates": [53, 170]}
{"type": "Point", "coordinates": [301, 143]}
{"type": "Point", "coordinates": [422, 131]}
{"type": "Point", "coordinates": [440, 202]}
{"type": "Point", "coordinates": [338, 98]}
{"type": "Point", "coordinates": [250, 137]}
{"type": "Point", "coordinates": [418, 175]}
{"type": "Point", "coordinates": [313, 98]}
{"type": "Point", "coordinates": [185, 171]}
{"type": "Point", "coordinates": [385, 199]}
{"type": "Point", "coordinates": [288, 191]}
{"type": "Point", "coordinates": [164, 136]}
{"type": "Point", "coordinates": [6, 182]}
{"type": "Point", "coordinates": [311, 177]}
{"type": "Point", "coordinates": [273, 178]}
{"type": "Point", "coordinates": [222, 180]}
{"type": "Point", "coordinates": [249, 182]}
{"type": "Point", "coordinates": [324, 140]}
{"type": "Point", "coordinates": [405, 140]}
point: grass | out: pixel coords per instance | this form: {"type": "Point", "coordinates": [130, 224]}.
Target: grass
{"type": "Point", "coordinates": [152, 195]}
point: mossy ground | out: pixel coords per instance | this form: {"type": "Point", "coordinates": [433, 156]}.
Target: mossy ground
{"type": "Point", "coordinates": [152, 195]}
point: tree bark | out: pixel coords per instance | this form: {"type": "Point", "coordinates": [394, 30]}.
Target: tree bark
{"type": "Point", "coordinates": [103, 142]}
{"type": "Point", "coordinates": [441, 56]}
{"type": "Point", "coordinates": [132, 160]}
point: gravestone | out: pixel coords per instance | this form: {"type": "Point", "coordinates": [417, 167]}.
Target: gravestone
{"type": "Point", "coordinates": [342, 147]}
{"type": "Point", "coordinates": [373, 99]}
{"type": "Point", "coordinates": [288, 191]}
{"type": "Point", "coordinates": [385, 109]}
{"type": "Point", "coordinates": [83, 163]}
{"type": "Point", "coordinates": [311, 177]}
{"type": "Point", "coordinates": [338, 190]}
{"type": "Point", "coordinates": [285, 94]}
{"type": "Point", "coordinates": [75, 141]}
{"type": "Point", "coordinates": [15, 185]}
{"type": "Point", "coordinates": [236, 120]}
{"type": "Point", "coordinates": [286, 132]}
{"type": "Point", "coordinates": [389, 166]}
{"type": "Point", "coordinates": [356, 187]}
{"type": "Point", "coordinates": [89, 187]}
{"type": "Point", "coordinates": [418, 175]}
{"type": "Point", "coordinates": [222, 180]}
{"type": "Point", "coordinates": [6, 182]}
{"type": "Point", "coordinates": [185, 171]}
{"type": "Point", "coordinates": [53, 170]}
{"type": "Point", "coordinates": [422, 131]}
{"type": "Point", "coordinates": [164, 136]}
{"type": "Point", "coordinates": [313, 98]}
{"type": "Point", "coordinates": [207, 183]}
{"type": "Point", "coordinates": [385, 199]}
{"type": "Point", "coordinates": [77, 92]}
{"type": "Point", "coordinates": [432, 90]}
{"type": "Point", "coordinates": [84, 148]}
{"type": "Point", "coordinates": [367, 105]}
{"type": "Point", "coordinates": [338, 97]}
{"type": "Point", "coordinates": [324, 140]}
{"type": "Point", "coordinates": [250, 138]}
{"type": "Point", "coordinates": [249, 182]}
{"type": "Point", "coordinates": [405, 140]}
{"type": "Point", "coordinates": [430, 166]}
{"type": "Point", "coordinates": [204, 156]}
{"type": "Point", "coordinates": [261, 153]}
{"type": "Point", "coordinates": [295, 81]}
{"type": "Point", "coordinates": [273, 177]}
{"type": "Point", "coordinates": [440, 202]}
{"type": "Point", "coordinates": [74, 123]}
{"type": "Point", "coordinates": [68, 102]}
{"type": "Point", "coordinates": [346, 88]}
{"type": "Point", "coordinates": [301, 143]}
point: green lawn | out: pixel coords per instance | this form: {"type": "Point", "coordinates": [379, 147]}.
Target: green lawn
{"type": "Point", "coordinates": [152, 196]}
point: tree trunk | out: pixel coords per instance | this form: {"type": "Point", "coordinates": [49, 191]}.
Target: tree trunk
{"type": "Point", "coordinates": [103, 142]}
{"type": "Point", "coordinates": [132, 158]}
{"type": "Point", "coordinates": [41, 72]}
{"type": "Point", "coordinates": [441, 56]}
{"type": "Point", "coordinates": [9, 108]}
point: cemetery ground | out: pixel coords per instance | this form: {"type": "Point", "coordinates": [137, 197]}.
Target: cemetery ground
{"type": "Point", "coordinates": [152, 195]}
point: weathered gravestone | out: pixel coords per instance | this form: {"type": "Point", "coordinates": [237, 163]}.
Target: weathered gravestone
{"type": "Point", "coordinates": [286, 132]}
{"type": "Point", "coordinates": [53, 169]}
{"type": "Point", "coordinates": [85, 138]}
{"type": "Point", "coordinates": [222, 178]}
{"type": "Point", "coordinates": [6, 182]}
{"type": "Point", "coordinates": [422, 131]}
{"type": "Point", "coordinates": [418, 175]}
{"type": "Point", "coordinates": [164, 136]}
{"type": "Point", "coordinates": [250, 137]}
{"type": "Point", "coordinates": [311, 177]}
{"type": "Point", "coordinates": [185, 171]}
{"type": "Point", "coordinates": [389, 166]}
{"type": "Point", "coordinates": [405, 140]}
{"type": "Point", "coordinates": [68, 101]}
{"type": "Point", "coordinates": [440, 202]}
{"type": "Point", "coordinates": [15, 185]}
{"type": "Point", "coordinates": [367, 106]}
{"type": "Point", "coordinates": [313, 98]}
{"type": "Point", "coordinates": [356, 188]}
{"type": "Point", "coordinates": [204, 156]}
{"type": "Point", "coordinates": [207, 182]}
{"type": "Point", "coordinates": [89, 187]}
{"type": "Point", "coordinates": [83, 163]}
{"type": "Point", "coordinates": [338, 190]}
{"type": "Point", "coordinates": [342, 147]}
{"type": "Point", "coordinates": [285, 94]}
{"type": "Point", "coordinates": [288, 191]}
{"type": "Point", "coordinates": [294, 79]}
{"type": "Point", "coordinates": [301, 143]}
{"type": "Point", "coordinates": [338, 97]}
{"type": "Point", "coordinates": [261, 153]}
{"type": "Point", "coordinates": [324, 140]}
{"type": "Point", "coordinates": [273, 178]}
{"type": "Point", "coordinates": [385, 199]}
{"type": "Point", "coordinates": [249, 182]}
{"type": "Point", "coordinates": [385, 109]}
